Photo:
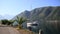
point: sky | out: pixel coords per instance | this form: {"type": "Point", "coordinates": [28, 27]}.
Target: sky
{"type": "Point", "coordinates": [11, 8]}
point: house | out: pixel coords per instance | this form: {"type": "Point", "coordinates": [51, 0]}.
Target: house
{"type": "Point", "coordinates": [33, 26]}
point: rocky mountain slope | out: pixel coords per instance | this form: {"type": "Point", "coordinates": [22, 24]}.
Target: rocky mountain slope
{"type": "Point", "coordinates": [41, 13]}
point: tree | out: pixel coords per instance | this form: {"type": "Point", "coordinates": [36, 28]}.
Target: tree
{"type": "Point", "coordinates": [4, 21]}
{"type": "Point", "coordinates": [10, 22]}
{"type": "Point", "coordinates": [20, 21]}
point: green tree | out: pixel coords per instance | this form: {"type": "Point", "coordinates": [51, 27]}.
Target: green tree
{"type": "Point", "coordinates": [11, 22]}
{"type": "Point", "coordinates": [5, 21]}
{"type": "Point", "coordinates": [20, 21]}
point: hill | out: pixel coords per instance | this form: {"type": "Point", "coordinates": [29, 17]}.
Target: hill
{"type": "Point", "coordinates": [1, 17]}
{"type": "Point", "coordinates": [50, 14]}
{"type": "Point", "coordinates": [41, 13]}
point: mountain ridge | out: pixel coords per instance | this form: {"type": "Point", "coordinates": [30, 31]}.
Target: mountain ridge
{"type": "Point", "coordinates": [39, 13]}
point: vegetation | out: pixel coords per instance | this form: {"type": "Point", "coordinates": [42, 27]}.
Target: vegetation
{"type": "Point", "coordinates": [6, 22]}
{"type": "Point", "coordinates": [20, 21]}
{"type": "Point", "coordinates": [43, 14]}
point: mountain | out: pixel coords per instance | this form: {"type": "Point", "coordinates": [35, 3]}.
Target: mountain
{"type": "Point", "coordinates": [25, 14]}
{"type": "Point", "coordinates": [42, 15]}
{"type": "Point", "coordinates": [6, 16]}
{"type": "Point", "coordinates": [1, 17]}
{"type": "Point", "coordinates": [49, 12]}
